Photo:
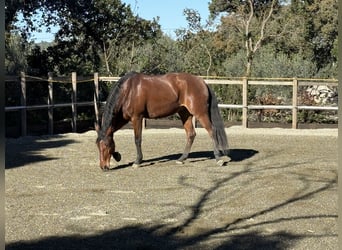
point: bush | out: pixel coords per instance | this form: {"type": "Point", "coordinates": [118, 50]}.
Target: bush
{"type": "Point", "coordinates": [268, 64]}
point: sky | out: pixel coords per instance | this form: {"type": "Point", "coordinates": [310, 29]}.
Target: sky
{"type": "Point", "coordinates": [170, 14]}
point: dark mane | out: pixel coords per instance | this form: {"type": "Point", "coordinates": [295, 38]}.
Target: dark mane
{"type": "Point", "coordinates": [111, 104]}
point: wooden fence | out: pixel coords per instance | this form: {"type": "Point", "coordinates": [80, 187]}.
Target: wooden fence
{"type": "Point", "coordinates": [75, 81]}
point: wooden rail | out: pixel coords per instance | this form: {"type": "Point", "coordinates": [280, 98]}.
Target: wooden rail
{"type": "Point", "coordinates": [294, 83]}
{"type": "Point", "coordinates": [23, 108]}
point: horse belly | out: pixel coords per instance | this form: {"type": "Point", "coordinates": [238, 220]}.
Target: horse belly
{"type": "Point", "coordinates": [161, 108]}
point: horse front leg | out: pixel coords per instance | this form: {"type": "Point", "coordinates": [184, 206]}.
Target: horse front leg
{"type": "Point", "coordinates": [137, 126]}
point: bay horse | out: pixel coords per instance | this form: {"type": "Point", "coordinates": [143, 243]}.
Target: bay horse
{"type": "Point", "coordinates": [136, 96]}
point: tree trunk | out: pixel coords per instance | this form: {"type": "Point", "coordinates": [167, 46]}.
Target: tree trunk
{"type": "Point", "coordinates": [249, 66]}
{"type": "Point", "coordinates": [253, 44]}
{"type": "Point", "coordinates": [249, 58]}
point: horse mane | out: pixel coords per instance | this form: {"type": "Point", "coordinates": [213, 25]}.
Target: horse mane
{"type": "Point", "coordinates": [112, 102]}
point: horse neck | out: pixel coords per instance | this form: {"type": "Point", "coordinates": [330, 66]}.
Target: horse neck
{"type": "Point", "coordinates": [118, 121]}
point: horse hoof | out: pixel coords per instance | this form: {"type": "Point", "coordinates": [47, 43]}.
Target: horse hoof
{"type": "Point", "coordinates": [135, 165]}
{"type": "Point", "coordinates": [105, 169]}
{"type": "Point", "coordinates": [220, 163]}
{"type": "Point", "coordinates": [179, 162]}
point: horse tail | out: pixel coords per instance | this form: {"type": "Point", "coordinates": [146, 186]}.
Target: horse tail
{"type": "Point", "coordinates": [219, 133]}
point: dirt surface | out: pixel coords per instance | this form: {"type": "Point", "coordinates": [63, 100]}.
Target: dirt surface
{"type": "Point", "coordinates": [278, 191]}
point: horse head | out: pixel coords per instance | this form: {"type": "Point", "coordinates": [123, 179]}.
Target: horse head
{"type": "Point", "coordinates": [106, 145]}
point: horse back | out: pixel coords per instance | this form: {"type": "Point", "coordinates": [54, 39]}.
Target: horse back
{"type": "Point", "coordinates": [157, 96]}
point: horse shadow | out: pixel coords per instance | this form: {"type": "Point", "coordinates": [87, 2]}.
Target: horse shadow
{"type": "Point", "coordinates": [236, 155]}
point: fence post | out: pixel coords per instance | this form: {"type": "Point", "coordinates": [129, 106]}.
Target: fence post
{"type": "Point", "coordinates": [96, 96]}
{"type": "Point", "coordinates": [294, 103]}
{"type": "Point", "coordinates": [245, 102]}
{"type": "Point", "coordinates": [23, 103]}
{"type": "Point", "coordinates": [74, 102]}
{"type": "Point", "coordinates": [50, 103]}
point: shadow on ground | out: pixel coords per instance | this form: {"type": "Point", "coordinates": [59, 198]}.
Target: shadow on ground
{"type": "Point", "coordinates": [236, 155]}
{"type": "Point", "coordinates": [235, 234]}
{"type": "Point", "coordinates": [20, 152]}
{"type": "Point", "coordinates": [241, 233]}
{"type": "Point", "coordinates": [146, 238]}
{"type": "Point", "coordinates": [162, 237]}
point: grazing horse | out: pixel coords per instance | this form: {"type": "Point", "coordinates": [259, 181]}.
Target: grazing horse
{"type": "Point", "coordinates": [136, 96]}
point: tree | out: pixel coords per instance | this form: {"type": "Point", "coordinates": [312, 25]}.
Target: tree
{"type": "Point", "coordinates": [105, 26]}
{"type": "Point", "coordinates": [15, 56]}
{"type": "Point", "coordinates": [158, 56]}
{"type": "Point", "coordinates": [196, 44]}
{"type": "Point", "coordinates": [90, 31]}
{"type": "Point", "coordinates": [323, 27]}
{"type": "Point", "coordinates": [309, 30]}
{"type": "Point", "coordinates": [249, 19]}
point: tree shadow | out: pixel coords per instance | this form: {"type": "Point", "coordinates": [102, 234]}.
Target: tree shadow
{"type": "Point", "coordinates": [241, 233]}
{"type": "Point", "coordinates": [256, 240]}
{"type": "Point", "coordinates": [237, 224]}
{"type": "Point", "coordinates": [140, 238]}
{"type": "Point", "coordinates": [26, 150]}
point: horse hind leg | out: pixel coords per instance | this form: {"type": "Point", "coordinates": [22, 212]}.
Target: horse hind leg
{"type": "Point", "coordinates": [186, 118]}
{"type": "Point", "coordinates": [206, 123]}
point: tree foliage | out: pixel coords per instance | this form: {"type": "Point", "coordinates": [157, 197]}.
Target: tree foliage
{"type": "Point", "coordinates": [253, 37]}
{"type": "Point", "coordinates": [91, 32]}
{"type": "Point", "coordinates": [249, 19]}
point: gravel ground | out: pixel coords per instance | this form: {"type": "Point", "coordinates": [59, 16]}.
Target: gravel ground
{"type": "Point", "coordinates": [278, 191]}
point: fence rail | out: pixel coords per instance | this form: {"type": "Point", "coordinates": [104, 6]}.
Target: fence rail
{"type": "Point", "coordinates": [74, 80]}
{"type": "Point", "coordinates": [294, 82]}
